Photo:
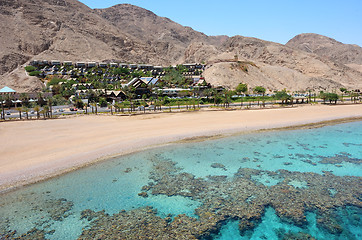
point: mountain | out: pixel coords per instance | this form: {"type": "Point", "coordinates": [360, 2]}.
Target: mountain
{"type": "Point", "coordinates": [69, 30]}
{"type": "Point", "coordinates": [348, 54]}
{"type": "Point", "coordinates": [277, 66]}
{"type": "Point", "coordinates": [162, 35]}
{"type": "Point", "coordinates": [59, 29]}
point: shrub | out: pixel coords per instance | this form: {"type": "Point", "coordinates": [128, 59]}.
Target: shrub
{"type": "Point", "coordinates": [30, 68]}
{"type": "Point", "coordinates": [55, 81]}
{"type": "Point", "coordinates": [34, 73]}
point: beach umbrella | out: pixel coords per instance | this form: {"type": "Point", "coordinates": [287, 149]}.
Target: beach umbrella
{"type": "Point", "coordinates": [16, 102]}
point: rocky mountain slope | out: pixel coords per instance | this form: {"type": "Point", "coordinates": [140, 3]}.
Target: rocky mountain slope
{"type": "Point", "coordinates": [162, 35]}
{"type": "Point", "coordinates": [60, 29]}
{"type": "Point", "coordinates": [327, 47]}
{"type": "Point", "coordinates": [277, 66]}
{"type": "Point", "coordinates": [69, 30]}
{"type": "Point", "coordinates": [348, 54]}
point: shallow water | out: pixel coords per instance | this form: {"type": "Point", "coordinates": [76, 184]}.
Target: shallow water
{"type": "Point", "coordinates": [229, 188]}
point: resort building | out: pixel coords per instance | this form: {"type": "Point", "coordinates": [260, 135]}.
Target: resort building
{"type": "Point", "coordinates": [80, 64]}
{"type": "Point", "coordinates": [173, 92]}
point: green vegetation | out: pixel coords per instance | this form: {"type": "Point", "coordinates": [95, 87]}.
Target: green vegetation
{"type": "Point", "coordinates": [241, 88]}
{"type": "Point", "coordinates": [260, 90]}
{"type": "Point", "coordinates": [55, 81]}
{"type": "Point", "coordinates": [331, 97]}
{"type": "Point", "coordinates": [71, 84]}
{"type": "Point", "coordinates": [121, 71]}
{"type": "Point", "coordinates": [283, 95]}
{"type": "Point", "coordinates": [35, 73]}
{"type": "Point", "coordinates": [30, 68]}
{"type": "Point", "coordinates": [174, 77]}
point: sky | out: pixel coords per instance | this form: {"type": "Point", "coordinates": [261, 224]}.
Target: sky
{"type": "Point", "coordinates": [272, 20]}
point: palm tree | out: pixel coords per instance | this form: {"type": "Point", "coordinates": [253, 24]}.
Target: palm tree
{"type": "Point", "coordinates": [26, 110]}
{"type": "Point", "coordinates": [19, 109]}
{"type": "Point", "coordinates": [130, 94]}
{"type": "Point", "coordinates": [41, 101]}
{"type": "Point", "coordinates": [86, 107]}
{"type": "Point", "coordinates": [50, 104]}
{"type": "Point", "coordinates": [8, 101]}
{"type": "Point", "coordinates": [260, 90]}
{"type": "Point", "coordinates": [158, 103]}
{"type": "Point", "coordinates": [144, 102]}
{"type": "Point", "coordinates": [310, 95]}
{"type": "Point", "coordinates": [241, 88]}
{"type": "Point", "coordinates": [151, 100]}
{"type": "Point", "coordinates": [111, 107]}
{"type": "Point", "coordinates": [227, 97]}
{"type": "Point", "coordinates": [45, 111]}
{"type": "Point", "coordinates": [215, 94]}
{"type": "Point", "coordinates": [323, 96]}
{"type": "Point", "coordinates": [2, 107]}
{"type": "Point", "coordinates": [282, 95]}
{"type": "Point", "coordinates": [37, 109]}
{"type": "Point", "coordinates": [24, 99]}
{"type": "Point", "coordinates": [94, 104]}
{"type": "Point", "coordinates": [126, 104]}
{"type": "Point", "coordinates": [208, 93]}
{"type": "Point", "coordinates": [354, 97]}
{"type": "Point", "coordinates": [117, 107]}
{"type": "Point", "coordinates": [178, 104]}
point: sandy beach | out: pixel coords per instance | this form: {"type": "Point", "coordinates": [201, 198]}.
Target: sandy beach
{"type": "Point", "coordinates": [34, 150]}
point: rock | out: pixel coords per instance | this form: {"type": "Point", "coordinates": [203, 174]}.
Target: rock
{"type": "Point", "coordinates": [218, 165]}
{"type": "Point", "coordinates": [143, 194]}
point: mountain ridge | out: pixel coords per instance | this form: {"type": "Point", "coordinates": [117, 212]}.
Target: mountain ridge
{"type": "Point", "coordinates": [69, 30]}
{"type": "Point", "coordinates": [327, 47]}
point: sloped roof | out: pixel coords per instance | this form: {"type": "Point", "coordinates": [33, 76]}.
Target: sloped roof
{"type": "Point", "coordinates": [7, 90]}
{"type": "Point", "coordinates": [153, 81]}
{"type": "Point", "coordinates": [149, 80]}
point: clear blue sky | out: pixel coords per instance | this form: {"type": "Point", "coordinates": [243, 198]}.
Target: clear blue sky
{"type": "Point", "coordinates": [272, 20]}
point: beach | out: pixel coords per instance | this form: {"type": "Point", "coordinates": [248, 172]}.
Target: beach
{"type": "Point", "coordinates": [35, 150]}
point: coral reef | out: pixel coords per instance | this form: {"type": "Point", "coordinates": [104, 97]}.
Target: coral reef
{"type": "Point", "coordinates": [238, 198]}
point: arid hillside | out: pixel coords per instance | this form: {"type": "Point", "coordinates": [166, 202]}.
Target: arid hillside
{"type": "Point", "coordinates": [164, 36]}
{"type": "Point", "coordinates": [69, 30]}
{"type": "Point", "coordinates": [327, 47]}
{"type": "Point", "coordinates": [277, 66]}
{"type": "Point", "coordinates": [63, 30]}
{"type": "Point", "coordinates": [349, 54]}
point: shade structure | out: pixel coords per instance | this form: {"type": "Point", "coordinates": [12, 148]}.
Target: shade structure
{"type": "Point", "coordinates": [7, 90]}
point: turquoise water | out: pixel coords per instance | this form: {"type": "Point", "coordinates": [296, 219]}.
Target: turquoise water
{"type": "Point", "coordinates": [269, 185]}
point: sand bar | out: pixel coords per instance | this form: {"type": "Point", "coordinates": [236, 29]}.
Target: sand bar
{"type": "Point", "coordinates": [35, 150]}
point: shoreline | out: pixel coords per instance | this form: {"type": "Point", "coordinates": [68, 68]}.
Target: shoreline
{"type": "Point", "coordinates": [142, 132]}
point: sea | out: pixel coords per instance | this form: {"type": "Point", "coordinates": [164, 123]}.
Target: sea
{"type": "Point", "coordinates": [285, 184]}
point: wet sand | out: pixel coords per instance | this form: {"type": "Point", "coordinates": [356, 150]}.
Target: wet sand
{"type": "Point", "coordinates": [35, 150]}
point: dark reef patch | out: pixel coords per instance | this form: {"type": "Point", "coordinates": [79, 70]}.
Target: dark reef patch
{"type": "Point", "coordinates": [237, 198]}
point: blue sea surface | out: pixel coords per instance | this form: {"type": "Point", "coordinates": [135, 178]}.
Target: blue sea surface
{"type": "Point", "coordinates": [112, 186]}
